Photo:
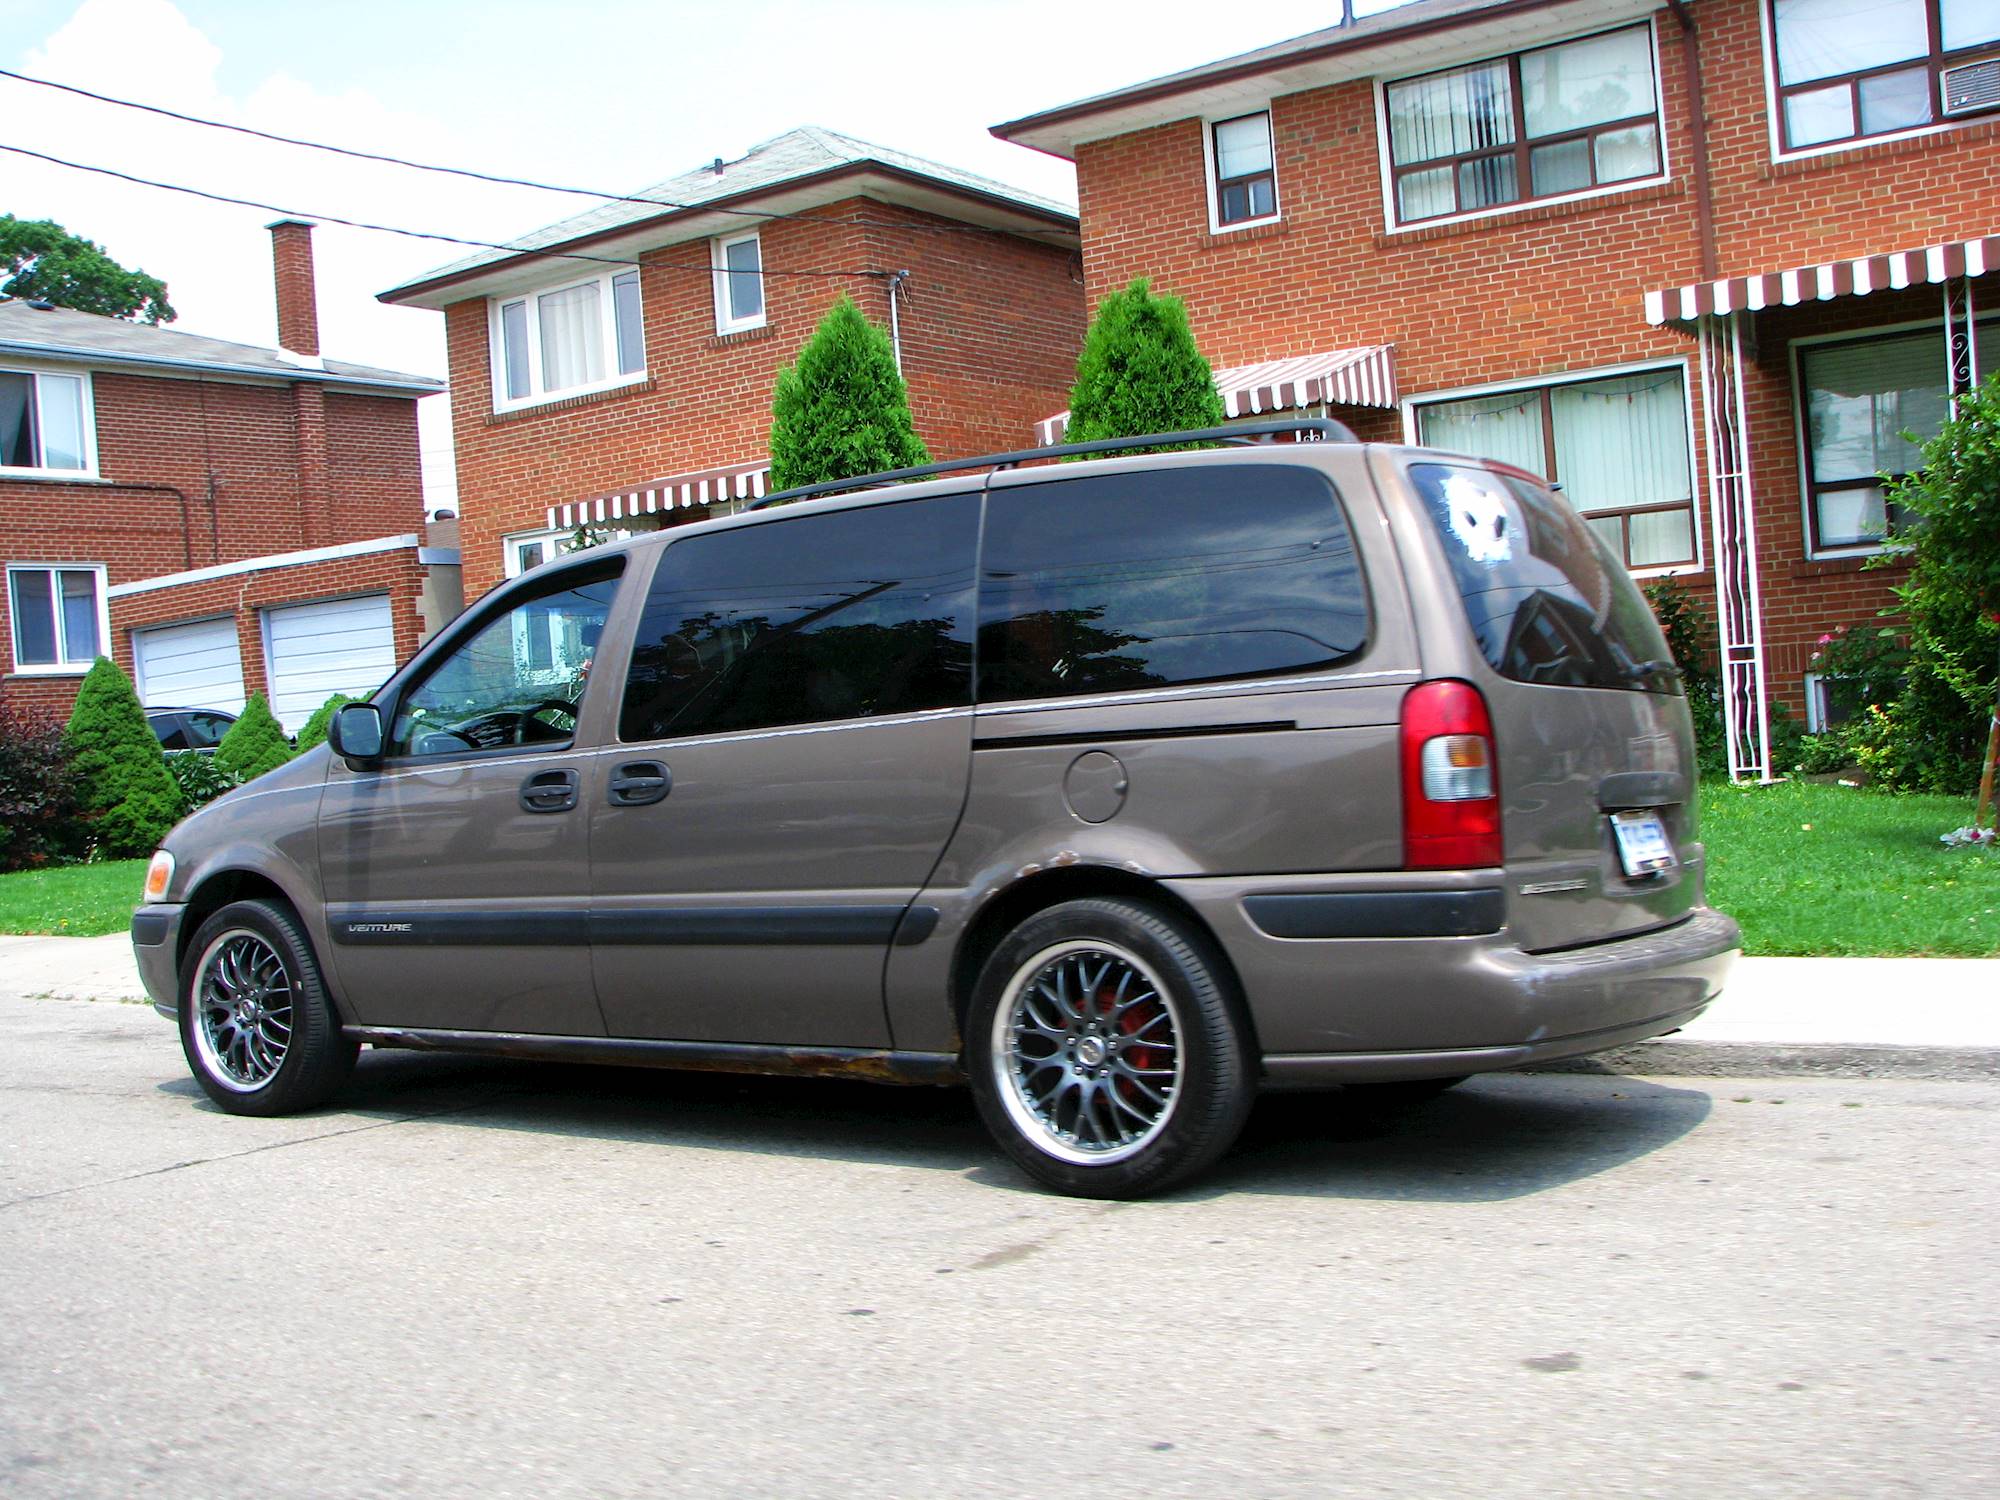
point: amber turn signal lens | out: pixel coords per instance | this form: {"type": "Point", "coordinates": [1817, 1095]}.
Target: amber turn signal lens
{"type": "Point", "coordinates": [159, 875]}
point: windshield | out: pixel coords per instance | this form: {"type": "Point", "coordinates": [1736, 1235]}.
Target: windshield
{"type": "Point", "coordinates": [1546, 602]}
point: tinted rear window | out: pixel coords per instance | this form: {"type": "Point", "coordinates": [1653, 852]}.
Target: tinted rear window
{"type": "Point", "coordinates": [1153, 578]}
{"type": "Point", "coordinates": [845, 615]}
{"type": "Point", "coordinates": [1547, 603]}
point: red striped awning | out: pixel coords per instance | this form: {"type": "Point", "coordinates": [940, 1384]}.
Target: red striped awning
{"type": "Point", "coordinates": [742, 481]}
{"type": "Point", "coordinates": [1345, 377]}
{"type": "Point", "coordinates": [1824, 282]}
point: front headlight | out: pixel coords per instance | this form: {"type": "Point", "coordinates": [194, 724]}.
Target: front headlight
{"type": "Point", "coordinates": [159, 875]}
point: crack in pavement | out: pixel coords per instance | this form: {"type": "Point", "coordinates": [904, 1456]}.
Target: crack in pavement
{"type": "Point", "coordinates": [304, 1140]}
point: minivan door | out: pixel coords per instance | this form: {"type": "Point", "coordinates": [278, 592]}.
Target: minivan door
{"type": "Point", "coordinates": [792, 751]}
{"type": "Point", "coordinates": [457, 872]}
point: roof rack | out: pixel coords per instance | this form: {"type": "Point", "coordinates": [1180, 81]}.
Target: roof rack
{"type": "Point", "coordinates": [1328, 430]}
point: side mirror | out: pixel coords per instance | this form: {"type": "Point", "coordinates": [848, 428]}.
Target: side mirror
{"type": "Point", "coordinates": [356, 735]}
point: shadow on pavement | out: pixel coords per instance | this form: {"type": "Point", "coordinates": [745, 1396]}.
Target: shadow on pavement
{"type": "Point", "coordinates": [1498, 1137]}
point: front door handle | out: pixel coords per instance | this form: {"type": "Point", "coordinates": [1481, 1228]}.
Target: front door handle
{"type": "Point", "coordinates": [638, 782]}
{"type": "Point", "coordinates": [549, 791]}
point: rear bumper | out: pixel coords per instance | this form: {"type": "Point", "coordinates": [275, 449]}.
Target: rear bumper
{"type": "Point", "coordinates": [156, 932]}
{"type": "Point", "coordinates": [1335, 1009]}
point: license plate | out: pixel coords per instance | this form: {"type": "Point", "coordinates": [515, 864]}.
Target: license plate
{"type": "Point", "coordinates": [1643, 845]}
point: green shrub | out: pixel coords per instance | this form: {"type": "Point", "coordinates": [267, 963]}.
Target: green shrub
{"type": "Point", "coordinates": [37, 790]}
{"type": "Point", "coordinates": [124, 791]}
{"type": "Point", "coordinates": [200, 779]}
{"type": "Point", "coordinates": [1690, 632]}
{"type": "Point", "coordinates": [255, 743]}
{"type": "Point", "coordinates": [842, 410]}
{"type": "Point", "coordinates": [1140, 371]}
{"type": "Point", "coordinates": [315, 729]}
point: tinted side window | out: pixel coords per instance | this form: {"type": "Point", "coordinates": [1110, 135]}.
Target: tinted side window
{"type": "Point", "coordinates": [1547, 603]}
{"type": "Point", "coordinates": [171, 731]}
{"type": "Point", "coordinates": [1174, 575]}
{"type": "Point", "coordinates": [205, 731]}
{"type": "Point", "coordinates": [852, 614]}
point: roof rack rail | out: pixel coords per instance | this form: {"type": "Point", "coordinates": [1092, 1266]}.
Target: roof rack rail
{"type": "Point", "coordinates": [1328, 430]}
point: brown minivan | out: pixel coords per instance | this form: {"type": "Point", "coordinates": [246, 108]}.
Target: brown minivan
{"type": "Point", "coordinates": [1117, 788]}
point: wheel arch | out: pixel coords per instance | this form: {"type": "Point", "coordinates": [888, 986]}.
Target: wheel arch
{"type": "Point", "coordinates": [1007, 908]}
{"type": "Point", "coordinates": [219, 888]}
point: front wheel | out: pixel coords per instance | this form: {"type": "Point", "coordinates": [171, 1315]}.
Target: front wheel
{"type": "Point", "coordinates": [260, 1034]}
{"type": "Point", "coordinates": [1105, 1051]}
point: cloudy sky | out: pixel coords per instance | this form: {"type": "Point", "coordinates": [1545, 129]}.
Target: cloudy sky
{"type": "Point", "coordinates": [611, 94]}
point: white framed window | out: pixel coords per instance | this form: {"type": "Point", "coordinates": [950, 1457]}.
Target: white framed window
{"type": "Point", "coordinates": [1242, 172]}
{"type": "Point", "coordinates": [739, 282]}
{"type": "Point", "coordinates": [46, 425]}
{"type": "Point", "coordinates": [59, 616]}
{"type": "Point", "coordinates": [1840, 73]}
{"type": "Point", "coordinates": [582, 336]}
{"type": "Point", "coordinates": [1857, 395]}
{"type": "Point", "coordinates": [1618, 444]}
{"type": "Point", "coordinates": [1573, 120]}
{"type": "Point", "coordinates": [530, 550]}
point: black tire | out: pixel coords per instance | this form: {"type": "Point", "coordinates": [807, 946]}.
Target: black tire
{"type": "Point", "coordinates": [1402, 1093]}
{"type": "Point", "coordinates": [1079, 1094]}
{"type": "Point", "coordinates": [258, 1030]}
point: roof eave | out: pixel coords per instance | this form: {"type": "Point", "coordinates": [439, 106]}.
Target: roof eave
{"type": "Point", "coordinates": [431, 291]}
{"type": "Point", "coordinates": [418, 385]}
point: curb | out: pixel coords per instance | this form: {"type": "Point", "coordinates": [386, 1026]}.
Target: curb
{"type": "Point", "coordinates": [1784, 1060]}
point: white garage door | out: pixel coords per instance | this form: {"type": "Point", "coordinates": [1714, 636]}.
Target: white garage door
{"type": "Point", "coordinates": [316, 650]}
{"type": "Point", "coordinates": [190, 666]}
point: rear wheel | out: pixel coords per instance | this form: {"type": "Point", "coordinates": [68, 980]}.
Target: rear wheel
{"type": "Point", "coordinates": [1105, 1051]}
{"type": "Point", "coordinates": [260, 1034]}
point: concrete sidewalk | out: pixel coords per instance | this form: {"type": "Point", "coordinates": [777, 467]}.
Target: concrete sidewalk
{"type": "Point", "coordinates": [1906, 1016]}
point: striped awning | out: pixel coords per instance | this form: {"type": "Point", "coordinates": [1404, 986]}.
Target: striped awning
{"type": "Point", "coordinates": [1824, 282]}
{"type": "Point", "coordinates": [1345, 377]}
{"type": "Point", "coordinates": [742, 481]}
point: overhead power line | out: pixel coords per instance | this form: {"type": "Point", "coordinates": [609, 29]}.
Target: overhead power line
{"type": "Point", "coordinates": [495, 178]}
{"type": "Point", "coordinates": [703, 268]}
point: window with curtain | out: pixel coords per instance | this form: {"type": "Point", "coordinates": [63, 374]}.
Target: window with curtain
{"type": "Point", "coordinates": [57, 614]}
{"type": "Point", "coordinates": [1539, 124]}
{"type": "Point", "coordinates": [42, 421]}
{"type": "Point", "coordinates": [739, 283]}
{"type": "Point", "coordinates": [1849, 69]}
{"type": "Point", "coordinates": [1858, 397]}
{"type": "Point", "coordinates": [1246, 184]}
{"type": "Point", "coordinates": [1617, 446]}
{"type": "Point", "coordinates": [570, 338]}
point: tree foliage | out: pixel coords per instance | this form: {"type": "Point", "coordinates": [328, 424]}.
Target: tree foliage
{"type": "Point", "coordinates": [123, 787]}
{"type": "Point", "coordinates": [842, 410]}
{"type": "Point", "coordinates": [37, 790]}
{"type": "Point", "coordinates": [43, 261]}
{"type": "Point", "coordinates": [256, 742]}
{"type": "Point", "coordinates": [1140, 371]}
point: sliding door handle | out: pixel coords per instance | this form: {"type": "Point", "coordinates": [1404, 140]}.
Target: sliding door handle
{"type": "Point", "coordinates": [638, 782]}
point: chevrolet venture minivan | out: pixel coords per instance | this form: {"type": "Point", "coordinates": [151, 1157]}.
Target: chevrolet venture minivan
{"type": "Point", "coordinates": [1118, 789]}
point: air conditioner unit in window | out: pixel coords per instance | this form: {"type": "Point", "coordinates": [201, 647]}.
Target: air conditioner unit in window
{"type": "Point", "coordinates": [1971, 87]}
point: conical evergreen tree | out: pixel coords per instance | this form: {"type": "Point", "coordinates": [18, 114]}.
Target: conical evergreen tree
{"type": "Point", "coordinates": [1140, 371]}
{"type": "Point", "coordinates": [123, 787]}
{"type": "Point", "coordinates": [842, 410]}
{"type": "Point", "coordinates": [314, 730]}
{"type": "Point", "coordinates": [255, 743]}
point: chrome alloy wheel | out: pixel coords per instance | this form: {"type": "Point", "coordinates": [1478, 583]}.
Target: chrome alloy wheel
{"type": "Point", "coordinates": [1086, 1049]}
{"type": "Point", "coordinates": [243, 1010]}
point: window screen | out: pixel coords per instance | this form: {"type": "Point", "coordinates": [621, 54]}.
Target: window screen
{"type": "Point", "coordinates": [845, 615]}
{"type": "Point", "coordinates": [1167, 576]}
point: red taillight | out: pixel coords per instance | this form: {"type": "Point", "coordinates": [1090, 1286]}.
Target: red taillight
{"type": "Point", "coordinates": [1451, 784]}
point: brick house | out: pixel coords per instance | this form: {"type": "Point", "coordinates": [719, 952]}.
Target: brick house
{"type": "Point", "coordinates": [220, 518]}
{"type": "Point", "coordinates": [616, 369]}
{"type": "Point", "coordinates": [1698, 262]}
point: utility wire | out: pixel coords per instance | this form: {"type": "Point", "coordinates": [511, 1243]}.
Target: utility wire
{"type": "Point", "coordinates": [415, 234]}
{"type": "Point", "coordinates": [495, 178]}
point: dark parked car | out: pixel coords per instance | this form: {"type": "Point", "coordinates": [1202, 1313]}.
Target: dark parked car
{"type": "Point", "coordinates": [1116, 789]}
{"type": "Point", "coordinates": [189, 728]}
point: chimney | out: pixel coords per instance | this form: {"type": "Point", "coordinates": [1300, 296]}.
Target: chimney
{"type": "Point", "coordinates": [292, 268]}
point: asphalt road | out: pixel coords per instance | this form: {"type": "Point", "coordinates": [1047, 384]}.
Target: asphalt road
{"type": "Point", "coordinates": [480, 1278]}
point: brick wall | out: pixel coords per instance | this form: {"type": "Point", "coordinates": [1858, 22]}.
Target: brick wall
{"type": "Point", "coordinates": [990, 328]}
{"type": "Point", "coordinates": [1543, 291]}
{"type": "Point", "coordinates": [233, 451]}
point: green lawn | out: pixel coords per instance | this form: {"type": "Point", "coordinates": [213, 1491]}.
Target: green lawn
{"type": "Point", "coordinates": [72, 900]}
{"type": "Point", "coordinates": [1807, 869]}
{"type": "Point", "coordinates": [1821, 870]}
